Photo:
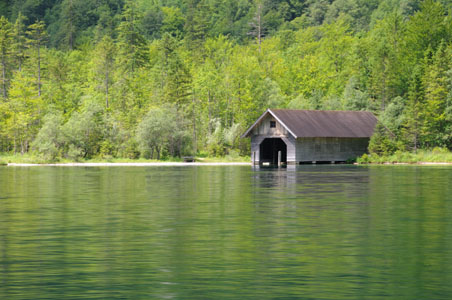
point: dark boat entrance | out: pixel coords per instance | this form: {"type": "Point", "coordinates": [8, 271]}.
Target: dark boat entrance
{"type": "Point", "coordinates": [269, 149]}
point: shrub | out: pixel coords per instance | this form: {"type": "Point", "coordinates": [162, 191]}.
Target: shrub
{"type": "Point", "coordinates": [49, 140]}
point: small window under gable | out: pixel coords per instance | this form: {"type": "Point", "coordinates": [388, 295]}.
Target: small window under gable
{"type": "Point", "coordinates": [272, 124]}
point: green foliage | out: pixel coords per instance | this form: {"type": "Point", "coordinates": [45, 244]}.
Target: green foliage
{"type": "Point", "coordinates": [83, 131]}
{"type": "Point", "coordinates": [382, 141]}
{"type": "Point", "coordinates": [437, 155]}
{"type": "Point", "coordinates": [49, 140]}
{"type": "Point", "coordinates": [21, 112]}
{"type": "Point", "coordinates": [221, 140]}
{"type": "Point", "coordinates": [159, 79]}
{"type": "Point", "coordinates": [5, 50]}
{"type": "Point", "coordinates": [161, 131]}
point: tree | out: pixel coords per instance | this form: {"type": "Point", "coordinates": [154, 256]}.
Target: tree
{"type": "Point", "coordinates": [133, 50]}
{"type": "Point", "coordinates": [174, 74]}
{"type": "Point", "coordinates": [83, 131]}
{"type": "Point", "coordinates": [435, 83]}
{"type": "Point", "coordinates": [105, 59]}
{"type": "Point", "coordinates": [69, 26]}
{"type": "Point", "coordinates": [37, 37]}
{"type": "Point", "coordinates": [196, 24]}
{"type": "Point", "coordinates": [49, 140]}
{"type": "Point", "coordinates": [5, 50]}
{"type": "Point", "coordinates": [19, 43]}
{"type": "Point", "coordinates": [162, 129]}
{"type": "Point", "coordinates": [427, 28]}
{"type": "Point", "coordinates": [173, 22]}
{"type": "Point", "coordinates": [257, 23]}
{"type": "Point", "coordinates": [387, 59]}
{"type": "Point", "coordinates": [413, 111]}
{"type": "Point", "coordinates": [22, 110]}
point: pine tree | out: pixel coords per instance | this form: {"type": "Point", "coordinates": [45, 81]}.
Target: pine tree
{"type": "Point", "coordinates": [196, 24]}
{"type": "Point", "coordinates": [133, 50]}
{"type": "Point", "coordinates": [5, 50]}
{"type": "Point", "coordinates": [36, 39]}
{"type": "Point", "coordinates": [19, 41]}
{"type": "Point", "coordinates": [22, 111]}
{"type": "Point", "coordinates": [413, 112]}
{"type": "Point", "coordinates": [69, 21]}
{"type": "Point", "coordinates": [436, 90]}
{"type": "Point", "coordinates": [105, 58]}
{"type": "Point", "coordinates": [176, 77]}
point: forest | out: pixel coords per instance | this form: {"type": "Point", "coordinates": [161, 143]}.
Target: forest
{"type": "Point", "coordinates": [163, 78]}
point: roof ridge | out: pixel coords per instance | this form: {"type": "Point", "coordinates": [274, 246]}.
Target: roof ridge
{"type": "Point", "coordinates": [320, 110]}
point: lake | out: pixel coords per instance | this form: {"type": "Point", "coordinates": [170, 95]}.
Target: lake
{"type": "Point", "coordinates": [226, 232]}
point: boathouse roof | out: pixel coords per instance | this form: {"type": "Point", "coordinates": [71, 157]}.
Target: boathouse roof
{"type": "Point", "coordinates": [322, 123]}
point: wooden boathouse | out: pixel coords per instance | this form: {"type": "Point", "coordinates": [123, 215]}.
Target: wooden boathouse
{"type": "Point", "coordinates": [309, 136]}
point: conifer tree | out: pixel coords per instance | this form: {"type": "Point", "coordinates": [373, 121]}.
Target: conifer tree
{"type": "Point", "coordinates": [5, 50]}
{"type": "Point", "coordinates": [196, 24]}
{"type": "Point", "coordinates": [413, 111]}
{"type": "Point", "coordinates": [133, 50]}
{"type": "Point", "coordinates": [19, 41]}
{"type": "Point", "coordinates": [36, 39]}
{"type": "Point", "coordinates": [69, 15]}
{"type": "Point", "coordinates": [436, 90]}
{"type": "Point", "coordinates": [105, 58]}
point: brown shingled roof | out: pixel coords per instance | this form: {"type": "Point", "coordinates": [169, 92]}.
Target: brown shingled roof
{"type": "Point", "coordinates": [321, 123]}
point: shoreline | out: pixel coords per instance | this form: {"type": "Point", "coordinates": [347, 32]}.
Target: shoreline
{"type": "Point", "coordinates": [183, 164]}
{"type": "Point", "coordinates": [130, 164]}
{"type": "Point", "coordinates": [420, 163]}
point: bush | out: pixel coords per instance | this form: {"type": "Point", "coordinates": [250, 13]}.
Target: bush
{"type": "Point", "coordinates": [83, 131]}
{"type": "Point", "coordinates": [364, 159]}
{"type": "Point", "coordinates": [162, 132]}
{"type": "Point", "coordinates": [222, 140]}
{"type": "Point", "coordinates": [49, 140]}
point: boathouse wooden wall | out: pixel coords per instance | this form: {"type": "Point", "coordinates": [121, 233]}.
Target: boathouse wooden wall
{"type": "Point", "coordinates": [330, 149]}
{"type": "Point", "coordinates": [263, 131]}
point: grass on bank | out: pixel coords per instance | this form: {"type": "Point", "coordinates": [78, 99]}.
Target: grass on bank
{"type": "Point", "coordinates": [29, 158]}
{"type": "Point", "coordinates": [437, 155]}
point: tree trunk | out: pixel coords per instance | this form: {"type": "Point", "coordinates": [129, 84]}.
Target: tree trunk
{"type": "Point", "coordinates": [39, 70]}
{"type": "Point", "coordinates": [259, 28]}
{"type": "Point", "coordinates": [4, 75]}
{"type": "Point", "coordinates": [210, 112]}
{"type": "Point", "coordinates": [106, 87]}
{"type": "Point", "coordinates": [71, 28]}
{"type": "Point", "coordinates": [195, 144]}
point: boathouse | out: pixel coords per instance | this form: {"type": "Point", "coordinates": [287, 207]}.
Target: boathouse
{"type": "Point", "coordinates": [310, 136]}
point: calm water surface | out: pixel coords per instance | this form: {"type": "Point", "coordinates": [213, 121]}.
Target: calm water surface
{"type": "Point", "coordinates": [215, 232]}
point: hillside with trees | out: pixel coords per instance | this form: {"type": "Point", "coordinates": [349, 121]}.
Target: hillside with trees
{"type": "Point", "coordinates": [164, 78]}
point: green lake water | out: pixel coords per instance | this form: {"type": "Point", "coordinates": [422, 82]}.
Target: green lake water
{"type": "Point", "coordinates": [226, 232]}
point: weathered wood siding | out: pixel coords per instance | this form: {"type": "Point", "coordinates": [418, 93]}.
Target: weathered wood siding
{"type": "Point", "coordinates": [263, 131]}
{"type": "Point", "coordinates": [263, 128]}
{"type": "Point", "coordinates": [291, 144]}
{"type": "Point", "coordinates": [330, 149]}
{"type": "Point", "coordinates": [256, 141]}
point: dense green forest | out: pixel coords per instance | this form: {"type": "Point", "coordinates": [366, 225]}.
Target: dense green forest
{"type": "Point", "coordinates": [163, 78]}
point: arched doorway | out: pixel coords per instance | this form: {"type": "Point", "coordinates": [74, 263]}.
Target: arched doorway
{"type": "Point", "coordinates": [269, 148]}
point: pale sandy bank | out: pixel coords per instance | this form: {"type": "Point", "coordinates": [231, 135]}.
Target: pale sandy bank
{"type": "Point", "coordinates": [150, 164]}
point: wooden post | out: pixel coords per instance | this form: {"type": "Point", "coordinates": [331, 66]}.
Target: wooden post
{"type": "Point", "coordinates": [254, 158]}
{"type": "Point", "coordinates": [279, 158]}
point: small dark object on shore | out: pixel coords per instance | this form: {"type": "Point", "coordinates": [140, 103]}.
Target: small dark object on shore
{"type": "Point", "coordinates": [188, 158]}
